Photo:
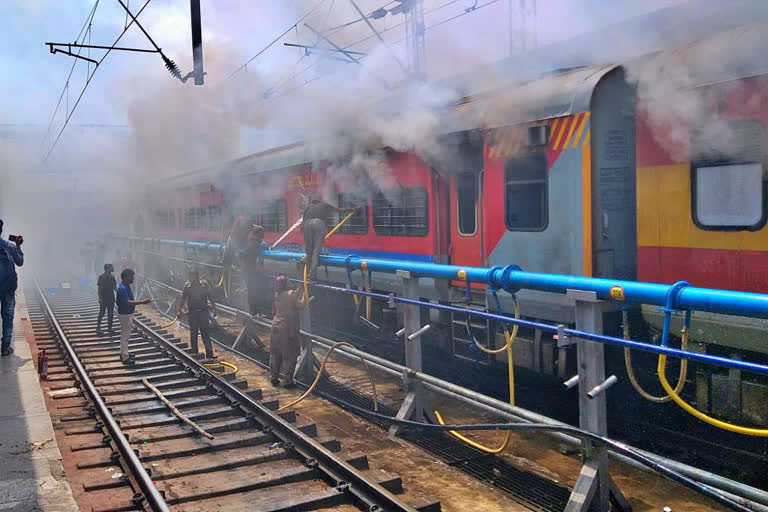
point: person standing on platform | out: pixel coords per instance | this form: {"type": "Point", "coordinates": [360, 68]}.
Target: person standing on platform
{"type": "Point", "coordinates": [284, 343]}
{"type": "Point", "coordinates": [198, 295]}
{"type": "Point", "coordinates": [314, 228]}
{"type": "Point", "coordinates": [253, 261]}
{"type": "Point", "coordinates": [107, 286]}
{"type": "Point", "coordinates": [11, 256]}
{"type": "Point", "coordinates": [126, 305]}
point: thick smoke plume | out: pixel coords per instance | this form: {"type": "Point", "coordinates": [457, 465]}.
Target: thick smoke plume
{"type": "Point", "coordinates": [344, 112]}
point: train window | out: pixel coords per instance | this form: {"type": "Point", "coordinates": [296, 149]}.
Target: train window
{"type": "Point", "coordinates": [214, 218]}
{"type": "Point", "coordinates": [729, 197]}
{"type": "Point", "coordinates": [164, 220]}
{"type": "Point", "coordinates": [193, 219]}
{"type": "Point", "coordinates": [358, 223]}
{"type": "Point", "coordinates": [526, 198]}
{"type": "Point", "coordinates": [466, 203]}
{"type": "Point", "coordinates": [274, 216]}
{"type": "Point", "coordinates": [401, 212]}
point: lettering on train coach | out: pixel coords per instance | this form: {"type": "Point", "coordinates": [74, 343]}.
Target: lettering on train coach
{"type": "Point", "coordinates": [616, 145]}
{"type": "Point", "coordinates": [303, 180]}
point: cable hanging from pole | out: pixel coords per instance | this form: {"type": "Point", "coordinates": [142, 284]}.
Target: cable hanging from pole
{"type": "Point", "coordinates": [87, 83]}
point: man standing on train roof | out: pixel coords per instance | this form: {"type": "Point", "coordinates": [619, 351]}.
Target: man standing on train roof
{"type": "Point", "coordinates": [314, 228]}
{"type": "Point", "coordinates": [198, 295]}
{"type": "Point", "coordinates": [284, 343]}
{"type": "Point", "coordinates": [106, 286]}
{"type": "Point", "coordinates": [253, 261]}
{"type": "Point", "coordinates": [126, 305]}
{"type": "Point", "coordinates": [10, 257]}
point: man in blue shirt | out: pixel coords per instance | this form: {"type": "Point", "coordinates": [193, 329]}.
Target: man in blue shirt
{"type": "Point", "coordinates": [126, 305]}
{"type": "Point", "coordinates": [10, 257]}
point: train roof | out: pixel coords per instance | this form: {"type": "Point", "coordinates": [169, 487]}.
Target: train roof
{"type": "Point", "coordinates": [503, 100]}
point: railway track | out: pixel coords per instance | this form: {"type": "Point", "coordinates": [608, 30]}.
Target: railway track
{"type": "Point", "coordinates": [258, 459]}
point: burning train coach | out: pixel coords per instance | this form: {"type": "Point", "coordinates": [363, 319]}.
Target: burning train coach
{"type": "Point", "coordinates": [594, 175]}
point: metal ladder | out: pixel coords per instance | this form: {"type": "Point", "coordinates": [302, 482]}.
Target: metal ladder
{"type": "Point", "coordinates": [462, 343]}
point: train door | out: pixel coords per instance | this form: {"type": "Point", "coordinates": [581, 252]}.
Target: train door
{"type": "Point", "coordinates": [466, 223]}
{"type": "Point", "coordinates": [614, 210]}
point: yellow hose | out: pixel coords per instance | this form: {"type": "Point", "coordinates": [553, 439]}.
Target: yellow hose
{"type": "Point", "coordinates": [306, 284]}
{"type": "Point", "coordinates": [223, 363]}
{"type": "Point", "coordinates": [221, 281]}
{"type": "Point", "coordinates": [509, 338]}
{"type": "Point", "coordinates": [336, 228]}
{"type": "Point", "coordinates": [170, 324]}
{"type": "Point", "coordinates": [633, 379]}
{"type": "Point", "coordinates": [320, 374]}
{"type": "Point", "coordinates": [367, 287]}
{"type": "Point", "coordinates": [662, 369]}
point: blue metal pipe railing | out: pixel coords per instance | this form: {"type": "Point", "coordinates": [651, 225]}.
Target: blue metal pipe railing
{"type": "Point", "coordinates": [601, 338]}
{"type": "Point", "coordinates": [511, 278]}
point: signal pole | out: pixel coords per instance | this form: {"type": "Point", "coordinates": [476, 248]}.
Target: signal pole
{"type": "Point", "coordinates": [197, 41]}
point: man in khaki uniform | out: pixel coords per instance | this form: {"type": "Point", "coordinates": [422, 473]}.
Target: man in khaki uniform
{"type": "Point", "coordinates": [198, 295]}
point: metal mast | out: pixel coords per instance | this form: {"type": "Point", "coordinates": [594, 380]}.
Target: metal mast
{"type": "Point", "coordinates": [523, 26]}
{"type": "Point", "coordinates": [414, 34]}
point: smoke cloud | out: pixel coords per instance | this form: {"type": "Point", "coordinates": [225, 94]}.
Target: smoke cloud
{"type": "Point", "coordinates": [344, 112]}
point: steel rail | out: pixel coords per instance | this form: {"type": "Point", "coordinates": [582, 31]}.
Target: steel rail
{"type": "Point", "coordinates": [502, 409]}
{"type": "Point", "coordinates": [151, 494]}
{"type": "Point", "coordinates": [346, 478]}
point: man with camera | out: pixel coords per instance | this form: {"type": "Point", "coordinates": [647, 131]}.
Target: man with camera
{"type": "Point", "coordinates": [10, 257]}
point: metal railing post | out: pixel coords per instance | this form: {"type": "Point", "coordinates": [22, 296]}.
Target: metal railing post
{"type": "Point", "coordinates": [594, 487]}
{"type": "Point", "coordinates": [415, 399]}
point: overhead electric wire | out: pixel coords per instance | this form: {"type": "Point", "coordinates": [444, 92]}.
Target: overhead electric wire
{"type": "Point", "coordinates": [87, 83]}
{"type": "Point", "coordinates": [368, 38]}
{"type": "Point", "coordinates": [275, 40]}
{"type": "Point", "coordinates": [88, 21]}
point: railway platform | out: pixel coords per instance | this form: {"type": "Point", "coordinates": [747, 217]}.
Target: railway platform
{"type": "Point", "coordinates": [32, 475]}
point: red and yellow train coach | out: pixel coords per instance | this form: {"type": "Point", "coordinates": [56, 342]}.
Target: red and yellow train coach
{"type": "Point", "coordinates": [567, 173]}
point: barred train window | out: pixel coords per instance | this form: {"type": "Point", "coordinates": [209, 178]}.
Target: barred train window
{"type": "Point", "coordinates": [526, 198]}
{"type": "Point", "coordinates": [401, 212]}
{"type": "Point", "coordinates": [466, 203]}
{"type": "Point", "coordinates": [729, 196]}
{"type": "Point", "coordinates": [358, 223]}
{"type": "Point", "coordinates": [214, 218]}
{"type": "Point", "coordinates": [164, 220]}
{"type": "Point", "coordinates": [193, 219]}
{"type": "Point", "coordinates": [274, 216]}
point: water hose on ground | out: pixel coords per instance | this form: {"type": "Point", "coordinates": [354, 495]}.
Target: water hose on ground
{"type": "Point", "coordinates": [223, 363]}
{"type": "Point", "coordinates": [631, 372]}
{"type": "Point", "coordinates": [175, 319]}
{"type": "Point", "coordinates": [320, 374]}
{"type": "Point", "coordinates": [614, 446]}
{"type": "Point", "coordinates": [509, 338]}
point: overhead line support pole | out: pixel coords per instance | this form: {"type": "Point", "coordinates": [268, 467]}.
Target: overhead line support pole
{"type": "Point", "coordinates": [197, 41]}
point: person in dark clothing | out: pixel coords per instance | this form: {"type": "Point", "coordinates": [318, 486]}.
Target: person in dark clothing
{"type": "Point", "coordinates": [253, 261]}
{"type": "Point", "coordinates": [107, 286]}
{"type": "Point", "coordinates": [11, 256]}
{"type": "Point", "coordinates": [284, 343]}
{"type": "Point", "coordinates": [198, 295]}
{"type": "Point", "coordinates": [314, 228]}
{"type": "Point", "coordinates": [126, 307]}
